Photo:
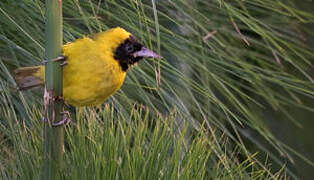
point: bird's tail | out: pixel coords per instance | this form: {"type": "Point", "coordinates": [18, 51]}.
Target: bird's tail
{"type": "Point", "coordinates": [28, 77]}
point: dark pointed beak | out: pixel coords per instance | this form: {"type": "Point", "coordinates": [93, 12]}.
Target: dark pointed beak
{"type": "Point", "coordinates": [146, 53]}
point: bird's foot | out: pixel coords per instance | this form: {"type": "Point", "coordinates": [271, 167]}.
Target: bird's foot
{"type": "Point", "coordinates": [59, 98]}
{"type": "Point", "coordinates": [63, 63]}
{"type": "Point", "coordinates": [59, 58]}
{"type": "Point", "coordinates": [66, 119]}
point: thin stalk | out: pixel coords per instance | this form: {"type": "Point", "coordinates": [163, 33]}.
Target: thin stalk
{"type": "Point", "coordinates": [53, 135]}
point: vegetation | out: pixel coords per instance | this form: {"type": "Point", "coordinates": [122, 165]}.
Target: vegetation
{"type": "Point", "coordinates": [229, 69]}
{"type": "Point", "coordinates": [53, 136]}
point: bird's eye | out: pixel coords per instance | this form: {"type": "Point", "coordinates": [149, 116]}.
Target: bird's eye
{"type": "Point", "coordinates": [129, 49]}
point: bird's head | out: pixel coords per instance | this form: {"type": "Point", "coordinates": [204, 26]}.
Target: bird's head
{"type": "Point", "coordinates": [126, 49]}
{"type": "Point", "coordinates": [130, 51]}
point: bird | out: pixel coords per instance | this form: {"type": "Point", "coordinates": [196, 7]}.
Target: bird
{"type": "Point", "coordinates": [95, 66]}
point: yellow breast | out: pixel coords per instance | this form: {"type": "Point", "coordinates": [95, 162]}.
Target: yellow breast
{"type": "Point", "coordinates": [92, 74]}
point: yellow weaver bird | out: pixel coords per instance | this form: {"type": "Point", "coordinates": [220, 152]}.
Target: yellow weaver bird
{"type": "Point", "coordinates": [95, 67]}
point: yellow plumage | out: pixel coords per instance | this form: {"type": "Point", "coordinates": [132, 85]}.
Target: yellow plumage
{"type": "Point", "coordinates": [91, 74]}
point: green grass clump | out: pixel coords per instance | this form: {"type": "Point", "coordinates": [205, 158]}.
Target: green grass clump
{"type": "Point", "coordinates": [103, 144]}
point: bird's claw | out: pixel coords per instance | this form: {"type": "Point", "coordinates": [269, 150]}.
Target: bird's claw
{"type": "Point", "coordinates": [59, 58]}
{"type": "Point", "coordinates": [66, 119]}
{"type": "Point", "coordinates": [63, 63]}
